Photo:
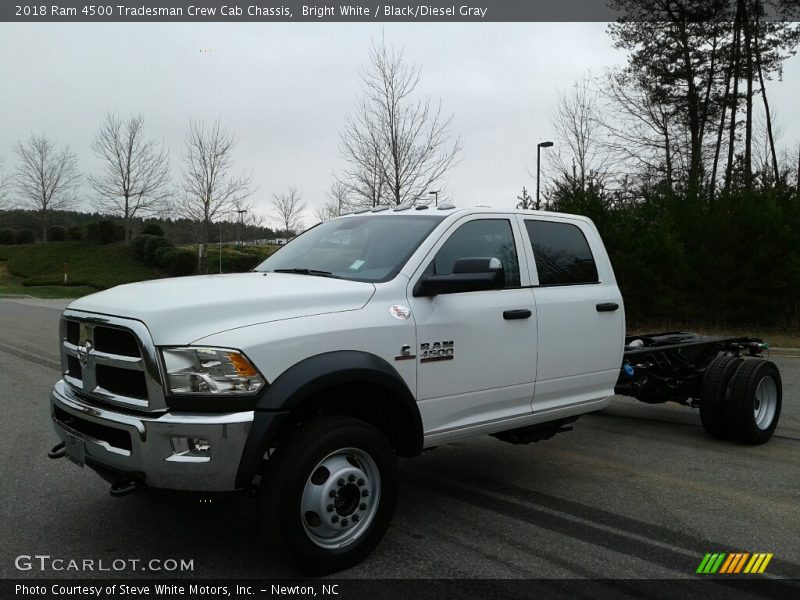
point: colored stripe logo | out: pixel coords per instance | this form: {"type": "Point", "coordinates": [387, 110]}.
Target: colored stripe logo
{"type": "Point", "coordinates": [734, 563]}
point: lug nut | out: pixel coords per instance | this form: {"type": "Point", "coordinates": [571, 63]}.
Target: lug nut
{"type": "Point", "coordinates": [340, 483]}
{"type": "Point", "coordinates": [335, 519]}
{"type": "Point", "coordinates": [355, 518]}
{"type": "Point", "coordinates": [362, 506]}
{"type": "Point", "coordinates": [345, 523]}
{"type": "Point", "coordinates": [361, 481]}
{"type": "Point", "coordinates": [364, 493]}
{"type": "Point", "coordinates": [332, 494]}
{"type": "Point", "coordinates": [330, 507]}
{"type": "Point", "coordinates": [352, 478]}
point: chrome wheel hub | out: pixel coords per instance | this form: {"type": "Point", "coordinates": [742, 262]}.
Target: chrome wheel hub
{"type": "Point", "coordinates": [340, 498]}
{"type": "Point", "coordinates": [765, 402]}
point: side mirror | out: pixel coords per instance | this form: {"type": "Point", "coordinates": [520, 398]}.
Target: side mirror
{"type": "Point", "coordinates": [469, 275]}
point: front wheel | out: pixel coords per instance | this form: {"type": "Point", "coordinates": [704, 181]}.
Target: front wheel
{"type": "Point", "coordinates": [329, 492]}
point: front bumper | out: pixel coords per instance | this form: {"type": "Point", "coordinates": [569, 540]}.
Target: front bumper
{"type": "Point", "coordinates": [145, 447]}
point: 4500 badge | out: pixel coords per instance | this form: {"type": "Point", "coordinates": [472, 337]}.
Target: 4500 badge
{"type": "Point", "coordinates": [431, 352]}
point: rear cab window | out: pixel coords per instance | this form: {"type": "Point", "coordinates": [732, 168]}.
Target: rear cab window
{"type": "Point", "coordinates": [561, 253]}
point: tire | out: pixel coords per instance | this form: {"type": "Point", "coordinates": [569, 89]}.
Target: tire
{"type": "Point", "coordinates": [714, 395]}
{"type": "Point", "coordinates": [755, 401]}
{"type": "Point", "coordinates": [329, 492]}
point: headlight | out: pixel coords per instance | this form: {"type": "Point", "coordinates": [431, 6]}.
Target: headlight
{"type": "Point", "coordinates": [210, 371]}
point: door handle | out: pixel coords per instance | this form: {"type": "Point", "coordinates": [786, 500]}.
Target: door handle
{"type": "Point", "coordinates": [607, 307]}
{"type": "Point", "coordinates": [510, 315]}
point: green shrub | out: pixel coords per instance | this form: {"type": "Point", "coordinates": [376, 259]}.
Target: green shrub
{"type": "Point", "coordinates": [153, 229]}
{"type": "Point", "coordinates": [56, 233]}
{"type": "Point", "coordinates": [138, 244]}
{"type": "Point", "coordinates": [239, 262]}
{"type": "Point", "coordinates": [184, 262]}
{"type": "Point", "coordinates": [75, 233]}
{"type": "Point", "coordinates": [151, 245]}
{"type": "Point", "coordinates": [24, 236]}
{"type": "Point", "coordinates": [164, 256]}
{"type": "Point", "coordinates": [105, 232]}
{"type": "Point", "coordinates": [176, 261]}
{"type": "Point", "coordinates": [8, 236]}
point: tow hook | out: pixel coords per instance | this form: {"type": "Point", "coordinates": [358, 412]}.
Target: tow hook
{"type": "Point", "coordinates": [58, 451]}
{"type": "Point", "coordinates": [123, 486]}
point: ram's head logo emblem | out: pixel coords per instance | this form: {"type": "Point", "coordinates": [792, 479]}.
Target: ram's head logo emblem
{"type": "Point", "coordinates": [83, 352]}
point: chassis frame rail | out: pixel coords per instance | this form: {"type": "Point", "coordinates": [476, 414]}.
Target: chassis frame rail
{"type": "Point", "coordinates": [669, 366]}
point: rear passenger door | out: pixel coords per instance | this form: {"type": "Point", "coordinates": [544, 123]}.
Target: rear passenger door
{"type": "Point", "coordinates": [581, 320]}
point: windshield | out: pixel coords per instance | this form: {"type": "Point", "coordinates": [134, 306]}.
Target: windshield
{"type": "Point", "coordinates": [361, 248]}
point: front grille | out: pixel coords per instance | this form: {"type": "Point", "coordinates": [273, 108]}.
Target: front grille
{"type": "Point", "coordinates": [74, 368]}
{"type": "Point", "coordinates": [115, 341]}
{"type": "Point", "coordinates": [73, 332]}
{"type": "Point", "coordinates": [115, 437]}
{"type": "Point", "coordinates": [121, 381]}
{"type": "Point", "coordinates": [111, 360]}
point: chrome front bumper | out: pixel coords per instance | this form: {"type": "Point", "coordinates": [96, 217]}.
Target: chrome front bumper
{"type": "Point", "coordinates": [150, 446]}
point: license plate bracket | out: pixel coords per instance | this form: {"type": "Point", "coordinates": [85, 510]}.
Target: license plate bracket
{"type": "Point", "coordinates": [75, 449]}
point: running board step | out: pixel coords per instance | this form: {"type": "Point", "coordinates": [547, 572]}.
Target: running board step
{"type": "Point", "coordinates": [535, 433]}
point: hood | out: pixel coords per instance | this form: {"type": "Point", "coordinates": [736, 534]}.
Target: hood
{"type": "Point", "coordinates": [183, 309]}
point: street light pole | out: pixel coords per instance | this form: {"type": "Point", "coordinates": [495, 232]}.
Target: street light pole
{"type": "Point", "coordinates": [241, 225]}
{"type": "Point", "coordinates": [436, 196]}
{"type": "Point", "coordinates": [539, 147]}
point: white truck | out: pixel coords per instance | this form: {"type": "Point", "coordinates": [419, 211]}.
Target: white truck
{"type": "Point", "coordinates": [371, 336]}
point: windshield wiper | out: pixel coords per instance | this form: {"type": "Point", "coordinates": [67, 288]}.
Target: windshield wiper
{"type": "Point", "coordinates": [303, 271]}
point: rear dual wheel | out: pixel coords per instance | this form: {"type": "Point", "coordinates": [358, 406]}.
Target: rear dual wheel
{"type": "Point", "coordinates": [741, 399]}
{"type": "Point", "coordinates": [755, 401]}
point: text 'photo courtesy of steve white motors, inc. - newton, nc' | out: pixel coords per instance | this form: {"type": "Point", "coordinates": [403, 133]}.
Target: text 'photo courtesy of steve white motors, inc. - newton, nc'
{"type": "Point", "coordinates": [303, 11]}
{"type": "Point", "coordinates": [171, 590]}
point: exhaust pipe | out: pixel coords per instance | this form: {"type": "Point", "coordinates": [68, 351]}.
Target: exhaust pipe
{"type": "Point", "coordinates": [58, 451]}
{"type": "Point", "coordinates": [124, 485]}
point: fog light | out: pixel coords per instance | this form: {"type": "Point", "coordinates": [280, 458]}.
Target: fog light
{"type": "Point", "coordinates": [188, 449]}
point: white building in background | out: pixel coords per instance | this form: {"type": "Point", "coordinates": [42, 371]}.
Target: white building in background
{"type": "Point", "coordinates": [270, 242]}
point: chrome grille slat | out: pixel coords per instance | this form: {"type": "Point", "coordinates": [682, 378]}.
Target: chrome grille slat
{"type": "Point", "coordinates": [127, 380]}
{"type": "Point", "coordinates": [103, 358]}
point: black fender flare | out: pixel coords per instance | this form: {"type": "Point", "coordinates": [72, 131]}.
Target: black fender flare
{"type": "Point", "coordinates": [303, 380]}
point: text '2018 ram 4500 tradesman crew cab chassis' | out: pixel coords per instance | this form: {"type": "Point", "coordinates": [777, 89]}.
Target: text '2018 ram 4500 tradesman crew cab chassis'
{"type": "Point", "coordinates": [371, 336]}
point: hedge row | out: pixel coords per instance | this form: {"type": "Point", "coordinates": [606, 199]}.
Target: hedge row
{"type": "Point", "coordinates": [11, 236]}
{"type": "Point", "coordinates": [154, 250]}
{"type": "Point", "coordinates": [102, 232]}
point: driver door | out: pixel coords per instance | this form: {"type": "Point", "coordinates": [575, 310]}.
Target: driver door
{"type": "Point", "coordinates": [476, 354]}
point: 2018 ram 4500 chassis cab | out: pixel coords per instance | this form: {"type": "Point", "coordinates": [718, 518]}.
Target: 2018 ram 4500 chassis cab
{"type": "Point", "coordinates": [370, 336]}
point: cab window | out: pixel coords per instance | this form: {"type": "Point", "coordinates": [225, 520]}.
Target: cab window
{"type": "Point", "coordinates": [482, 238]}
{"type": "Point", "coordinates": [562, 254]}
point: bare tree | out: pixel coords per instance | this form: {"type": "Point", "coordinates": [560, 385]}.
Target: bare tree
{"type": "Point", "coordinates": [641, 134]}
{"type": "Point", "coordinates": [579, 131]}
{"type": "Point", "coordinates": [45, 178]}
{"type": "Point", "coordinates": [396, 147]}
{"type": "Point", "coordinates": [289, 209]}
{"type": "Point", "coordinates": [210, 190]}
{"type": "Point", "coordinates": [337, 202]}
{"type": "Point", "coordinates": [135, 172]}
{"type": "Point", "coordinates": [3, 185]}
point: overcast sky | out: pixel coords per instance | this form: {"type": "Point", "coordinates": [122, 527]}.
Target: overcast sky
{"type": "Point", "coordinates": [285, 89]}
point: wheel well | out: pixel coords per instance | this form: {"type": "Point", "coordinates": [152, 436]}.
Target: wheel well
{"type": "Point", "coordinates": [378, 405]}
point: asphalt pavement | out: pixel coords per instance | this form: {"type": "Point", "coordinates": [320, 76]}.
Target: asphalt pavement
{"type": "Point", "coordinates": [634, 491]}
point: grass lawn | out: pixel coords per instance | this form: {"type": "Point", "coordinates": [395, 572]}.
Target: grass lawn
{"type": "Point", "coordinates": [37, 269]}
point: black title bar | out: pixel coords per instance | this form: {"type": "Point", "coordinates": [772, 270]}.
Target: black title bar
{"type": "Point", "coordinates": [431, 11]}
